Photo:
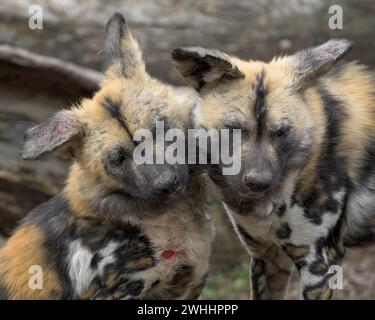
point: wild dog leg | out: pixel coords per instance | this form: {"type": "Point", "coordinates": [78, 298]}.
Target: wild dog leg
{"type": "Point", "coordinates": [314, 264]}
{"type": "Point", "coordinates": [270, 273]}
{"type": "Point", "coordinates": [114, 285]}
{"type": "Point", "coordinates": [124, 290]}
{"type": "Point", "coordinates": [270, 268]}
{"type": "Point", "coordinates": [315, 246]}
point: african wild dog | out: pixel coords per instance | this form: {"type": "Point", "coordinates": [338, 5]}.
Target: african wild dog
{"type": "Point", "coordinates": [307, 183]}
{"type": "Point", "coordinates": [118, 230]}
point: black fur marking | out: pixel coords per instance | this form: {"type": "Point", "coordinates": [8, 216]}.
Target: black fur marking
{"type": "Point", "coordinates": [51, 217]}
{"type": "Point", "coordinates": [123, 288]}
{"type": "Point", "coordinates": [337, 70]}
{"type": "Point", "coordinates": [259, 110]}
{"type": "Point", "coordinates": [198, 73]}
{"type": "Point", "coordinates": [181, 281]}
{"type": "Point", "coordinates": [246, 237]}
{"type": "Point", "coordinates": [257, 271]}
{"type": "Point", "coordinates": [330, 244]}
{"type": "Point", "coordinates": [95, 260]}
{"type": "Point", "coordinates": [284, 231]}
{"type": "Point", "coordinates": [296, 253]}
{"type": "Point", "coordinates": [319, 267]}
{"type": "Point", "coordinates": [309, 292]}
{"type": "Point", "coordinates": [311, 211]}
{"type": "Point", "coordinates": [368, 168]}
{"type": "Point", "coordinates": [293, 199]}
{"type": "Point", "coordinates": [184, 273]}
{"type": "Point", "coordinates": [61, 227]}
{"type": "Point", "coordinates": [281, 210]}
{"type": "Point", "coordinates": [287, 149]}
{"type": "Point", "coordinates": [332, 167]}
{"type": "Point", "coordinates": [114, 111]}
{"type": "Point", "coordinates": [133, 288]}
{"type": "Point", "coordinates": [3, 293]}
{"type": "Point", "coordinates": [155, 283]}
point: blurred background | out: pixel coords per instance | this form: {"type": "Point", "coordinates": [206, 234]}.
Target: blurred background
{"type": "Point", "coordinates": [43, 70]}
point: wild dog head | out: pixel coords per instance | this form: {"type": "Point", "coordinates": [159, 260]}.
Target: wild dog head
{"type": "Point", "coordinates": [266, 101]}
{"type": "Point", "coordinates": [99, 132]}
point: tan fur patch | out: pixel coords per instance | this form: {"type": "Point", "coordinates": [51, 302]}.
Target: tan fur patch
{"type": "Point", "coordinates": [14, 268]}
{"type": "Point", "coordinates": [318, 293]}
{"type": "Point", "coordinates": [354, 88]}
{"type": "Point", "coordinates": [140, 264]}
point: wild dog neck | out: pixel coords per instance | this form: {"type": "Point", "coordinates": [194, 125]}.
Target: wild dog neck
{"type": "Point", "coordinates": [263, 206]}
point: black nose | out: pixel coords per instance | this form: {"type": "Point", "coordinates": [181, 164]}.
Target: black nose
{"type": "Point", "coordinates": [257, 183]}
{"type": "Point", "coordinates": [166, 183]}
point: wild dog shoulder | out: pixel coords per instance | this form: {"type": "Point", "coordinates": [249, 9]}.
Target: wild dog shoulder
{"type": "Point", "coordinates": [162, 257]}
{"type": "Point", "coordinates": [102, 259]}
{"type": "Point", "coordinates": [28, 251]}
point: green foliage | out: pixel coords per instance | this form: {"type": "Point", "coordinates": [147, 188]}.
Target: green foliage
{"type": "Point", "coordinates": [229, 284]}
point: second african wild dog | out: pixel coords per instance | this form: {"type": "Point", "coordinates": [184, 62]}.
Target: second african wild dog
{"type": "Point", "coordinates": [306, 188]}
{"type": "Point", "coordinates": [114, 232]}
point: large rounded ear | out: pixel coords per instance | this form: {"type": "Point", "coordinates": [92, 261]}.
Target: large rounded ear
{"type": "Point", "coordinates": [201, 67]}
{"type": "Point", "coordinates": [56, 133]}
{"type": "Point", "coordinates": [122, 53]}
{"type": "Point", "coordinates": [311, 63]}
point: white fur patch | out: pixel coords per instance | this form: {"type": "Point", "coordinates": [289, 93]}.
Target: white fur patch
{"type": "Point", "coordinates": [80, 271]}
{"type": "Point", "coordinates": [197, 113]}
{"type": "Point", "coordinates": [107, 255]}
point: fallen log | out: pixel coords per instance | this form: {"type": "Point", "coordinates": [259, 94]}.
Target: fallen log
{"type": "Point", "coordinates": [32, 87]}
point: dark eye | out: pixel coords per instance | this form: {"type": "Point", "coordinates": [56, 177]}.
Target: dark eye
{"type": "Point", "coordinates": [117, 157]}
{"type": "Point", "coordinates": [282, 132]}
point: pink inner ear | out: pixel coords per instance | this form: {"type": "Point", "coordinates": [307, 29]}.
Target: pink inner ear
{"type": "Point", "coordinates": [60, 128]}
{"type": "Point", "coordinates": [44, 131]}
